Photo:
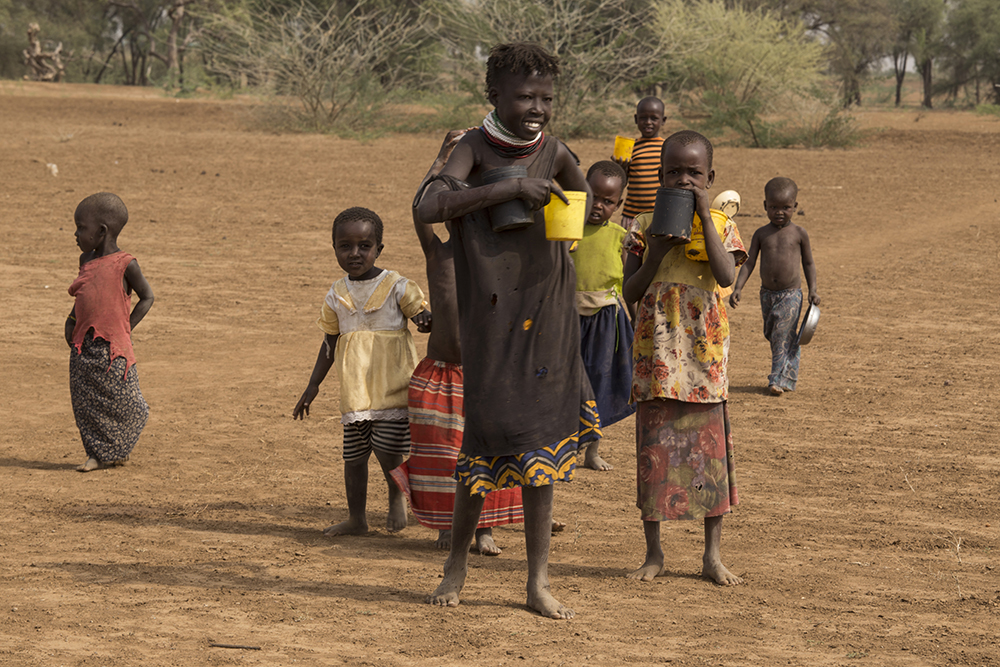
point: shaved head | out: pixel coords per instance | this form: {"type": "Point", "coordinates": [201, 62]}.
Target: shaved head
{"type": "Point", "coordinates": [106, 208]}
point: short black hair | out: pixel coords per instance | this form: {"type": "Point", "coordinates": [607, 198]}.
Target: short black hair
{"type": "Point", "coordinates": [686, 138]}
{"type": "Point", "coordinates": [609, 169]}
{"type": "Point", "coordinates": [779, 185]}
{"type": "Point", "coordinates": [519, 58]}
{"type": "Point", "coordinates": [362, 214]}
{"type": "Point", "coordinates": [648, 100]}
{"type": "Point", "coordinates": [108, 208]}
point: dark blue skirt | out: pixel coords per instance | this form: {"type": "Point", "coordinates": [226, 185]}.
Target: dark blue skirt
{"type": "Point", "coordinates": [606, 347]}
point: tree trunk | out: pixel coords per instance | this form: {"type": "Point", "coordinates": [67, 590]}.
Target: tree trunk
{"type": "Point", "coordinates": [926, 72]}
{"type": "Point", "coordinates": [900, 71]}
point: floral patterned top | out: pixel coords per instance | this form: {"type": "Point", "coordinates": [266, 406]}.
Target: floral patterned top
{"type": "Point", "coordinates": [681, 345]}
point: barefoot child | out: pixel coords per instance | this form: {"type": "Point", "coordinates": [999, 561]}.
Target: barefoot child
{"type": "Point", "coordinates": [782, 245]}
{"type": "Point", "coordinates": [606, 334]}
{"type": "Point", "coordinates": [103, 381]}
{"type": "Point", "coordinates": [643, 167]}
{"type": "Point", "coordinates": [684, 448]}
{"type": "Point", "coordinates": [528, 403]}
{"type": "Point", "coordinates": [364, 318]}
{"type": "Point", "coordinates": [437, 418]}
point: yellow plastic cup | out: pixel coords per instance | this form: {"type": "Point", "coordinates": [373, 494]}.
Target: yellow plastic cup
{"type": "Point", "coordinates": [623, 148]}
{"type": "Point", "coordinates": [565, 222]}
{"type": "Point", "coordinates": [696, 248]}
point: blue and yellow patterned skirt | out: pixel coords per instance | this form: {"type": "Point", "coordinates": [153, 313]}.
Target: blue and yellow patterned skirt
{"type": "Point", "coordinates": [537, 467]}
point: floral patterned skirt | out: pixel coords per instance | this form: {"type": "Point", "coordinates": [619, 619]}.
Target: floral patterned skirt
{"type": "Point", "coordinates": [109, 408]}
{"type": "Point", "coordinates": [684, 455]}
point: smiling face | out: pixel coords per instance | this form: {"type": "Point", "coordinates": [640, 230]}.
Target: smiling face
{"type": "Point", "coordinates": [780, 207]}
{"type": "Point", "coordinates": [649, 118]}
{"type": "Point", "coordinates": [685, 167]}
{"type": "Point", "coordinates": [523, 103]}
{"type": "Point", "coordinates": [357, 248]}
{"type": "Point", "coordinates": [607, 197]}
{"type": "Point", "coordinates": [90, 231]}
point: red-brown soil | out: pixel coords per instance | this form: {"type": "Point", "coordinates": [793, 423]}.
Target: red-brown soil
{"type": "Point", "coordinates": [867, 531]}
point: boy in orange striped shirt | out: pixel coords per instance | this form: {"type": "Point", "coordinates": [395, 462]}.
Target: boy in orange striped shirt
{"type": "Point", "coordinates": [643, 167]}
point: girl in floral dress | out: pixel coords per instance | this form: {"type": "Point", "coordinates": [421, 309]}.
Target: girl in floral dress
{"type": "Point", "coordinates": [681, 351]}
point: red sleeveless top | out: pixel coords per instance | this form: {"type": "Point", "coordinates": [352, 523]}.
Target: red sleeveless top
{"type": "Point", "coordinates": [103, 305]}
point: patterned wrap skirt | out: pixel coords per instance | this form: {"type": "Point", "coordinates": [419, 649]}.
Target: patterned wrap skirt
{"type": "Point", "coordinates": [427, 478]}
{"type": "Point", "coordinates": [538, 467]}
{"type": "Point", "coordinates": [684, 456]}
{"type": "Point", "coordinates": [107, 403]}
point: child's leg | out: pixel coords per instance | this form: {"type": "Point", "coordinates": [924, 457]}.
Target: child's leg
{"type": "Point", "coordinates": [357, 450]}
{"type": "Point", "coordinates": [391, 441]}
{"type": "Point", "coordinates": [593, 460]}
{"type": "Point", "coordinates": [464, 520]}
{"type": "Point", "coordinates": [653, 565]}
{"type": "Point", "coordinates": [537, 535]}
{"type": "Point", "coordinates": [485, 544]}
{"type": "Point", "coordinates": [712, 566]}
{"type": "Point", "coordinates": [356, 485]}
{"type": "Point", "coordinates": [396, 518]}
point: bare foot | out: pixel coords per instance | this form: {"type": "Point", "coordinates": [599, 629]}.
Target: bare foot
{"type": "Point", "coordinates": [446, 594]}
{"type": "Point", "coordinates": [718, 573]}
{"type": "Point", "coordinates": [651, 568]}
{"type": "Point", "coordinates": [593, 461]}
{"type": "Point", "coordinates": [444, 539]}
{"type": "Point", "coordinates": [485, 544]}
{"type": "Point", "coordinates": [349, 527]}
{"type": "Point", "coordinates": [395, 521]}
{"type": "Point", "coordinates": [549, 607]}
{"type": "Point", "coordinates": [558, 526]}
{"type": "Point", "coordinates": [776, 390]}
{"type": "Point", "coordinates": [88, 465]}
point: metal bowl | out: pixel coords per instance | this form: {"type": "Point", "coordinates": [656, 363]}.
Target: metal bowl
{"type": "Point", "coordinates": [809, 323]}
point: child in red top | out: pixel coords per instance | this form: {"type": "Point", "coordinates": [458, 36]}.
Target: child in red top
{"type": "Point", "coordinates": [104, 383]}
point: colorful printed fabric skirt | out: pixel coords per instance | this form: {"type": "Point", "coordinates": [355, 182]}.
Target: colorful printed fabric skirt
{"type": "Point", "coordinates": [109, 408]}
{"type": "Point", "coordinates": [684, 455]}
{"type": "Point", "coordinates": [607, 356]}
{"type": "Point", "coordinates": [427, 478]}
{"type": "Point", "coordinates": [538, 467]}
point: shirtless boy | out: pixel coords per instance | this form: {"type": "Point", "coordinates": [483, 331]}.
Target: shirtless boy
{"type": "Point", "coordinates": [781, 245]}
{"type": "Point", "coordinates": [528, 403]}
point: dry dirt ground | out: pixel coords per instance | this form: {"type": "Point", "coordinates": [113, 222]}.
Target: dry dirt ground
{"type": "Point", "coordinates": [868, 527]}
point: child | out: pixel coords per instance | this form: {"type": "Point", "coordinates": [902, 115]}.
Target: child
{"type": "Point", "coordinates": [642, 168]}
{"type": "Point", "coordinates": [781, 244]}
{"type": "Point", "coordinates": [606, 334]}
{"type": "Point", "coordinates": [681, 350]}
{"type": "Point", "coordinates": [103, 381]}
{"type": "Point", "coordinates": [528, 402]}
{"type": "Point", "coordinates": [437, 418]}
{"type": "Point", "coordinates": [364, 319]}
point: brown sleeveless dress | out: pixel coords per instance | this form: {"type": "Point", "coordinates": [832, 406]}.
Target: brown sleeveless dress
{"type": "Point", "coordinates": [525, 383]}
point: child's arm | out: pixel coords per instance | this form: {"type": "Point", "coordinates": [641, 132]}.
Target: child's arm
{"type": "Point", "coordinates": [425, 234]}
{"type": "Point", "coordinates": [440, 203]}
{"type": "Point", "coordinates": [570, 177]}
{"type": "Point", "coordinates": [721, 261]}
{"type": "Point", "coordinates": [323, 364]}
{"type": "Point", "coordinates": [639, 273]}
{"type": "Point", "coordinates": [137, 281]}
{"type": "Point", "coordinates": [423, 320]}
{"type": "Point", "coordinates": [809, 267]}
{"type": "Point", "coordinates": [70, 326]}
{"type": "Point", "coordinates": [745, 271]}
